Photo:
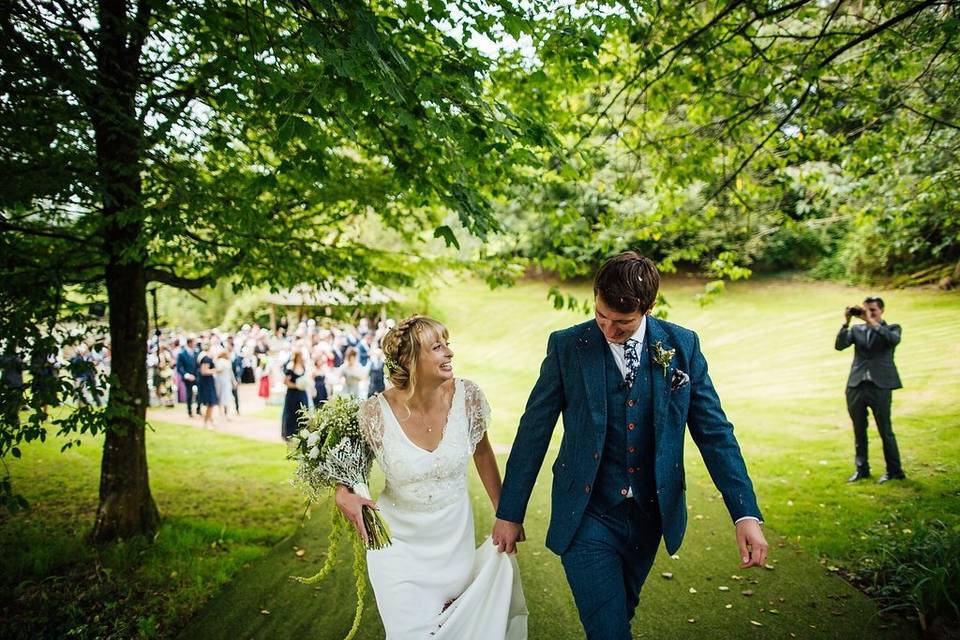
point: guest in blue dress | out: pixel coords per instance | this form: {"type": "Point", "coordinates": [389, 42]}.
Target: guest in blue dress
{"type": "Point", "coordinates": [207, 386]}
{"type": "Point", "coordinates": [296, 395]}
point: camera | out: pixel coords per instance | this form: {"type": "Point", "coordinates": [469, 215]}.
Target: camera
{"type": "Point", "coordinates": [857, 311]}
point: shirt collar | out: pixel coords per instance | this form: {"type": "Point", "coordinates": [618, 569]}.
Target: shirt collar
{"type": "Point", "coordinates": [638, 335]}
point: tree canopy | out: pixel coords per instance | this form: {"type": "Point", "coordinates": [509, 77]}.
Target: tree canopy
{"type": "Point", "coordinates": [723, 135]}
{"type": "Point", "coordinates": [187, 142]}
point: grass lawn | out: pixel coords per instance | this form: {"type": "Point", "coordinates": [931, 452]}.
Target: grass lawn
{"type": "Point", "coordinates": [769, 344]}
{"type": "Point", "coordinates": [225, 502]}
{"type": "Point", "coordinates": [770, 348]}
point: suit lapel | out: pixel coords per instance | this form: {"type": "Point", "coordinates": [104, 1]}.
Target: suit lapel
{"type": "Point", "coordinates": [590, 354]}
{"type": "Point", "coordinates": [660, 386]}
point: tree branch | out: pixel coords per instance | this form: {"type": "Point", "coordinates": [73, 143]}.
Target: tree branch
{"type": "Point", "coordinates": [866, 35]}
{"type": "Point", "coordinates": [780, 124]}
{"type": "Point", "coordinates": [927, 116]}
{"type": "Point", "coordinates": [42, 233]}
{"type": "Point", "coordinates": [154, 274]}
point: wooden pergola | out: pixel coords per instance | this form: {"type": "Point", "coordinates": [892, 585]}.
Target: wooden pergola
{"type": "Point", "coordinates": [348, 294]}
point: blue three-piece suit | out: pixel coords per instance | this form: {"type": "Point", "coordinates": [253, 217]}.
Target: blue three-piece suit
{"type": "Point", "coordinates": [618, 481]}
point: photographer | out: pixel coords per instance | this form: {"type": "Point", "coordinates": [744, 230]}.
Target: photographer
{"type": "Point", "coordinates": [873, 377]}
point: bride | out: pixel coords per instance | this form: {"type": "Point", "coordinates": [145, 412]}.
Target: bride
{"type": "Point", "coordinates": [432, 583]}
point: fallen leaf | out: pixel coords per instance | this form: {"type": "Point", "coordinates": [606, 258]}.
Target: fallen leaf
{"type": "Point", "coordinates": [748, 592]}
{"type": "Point", "coordinates": [264, 612]}
{"type": "Point", "coordinates": [667, 575]}
{"type": "Point", "coordinates": [729, 606]}
{"type": "Point", "coordinates": [756, 624]}
{"type": "Point", "coordinates": [723, 588]}
{"type": "Point", "coordinates": [301, 553]}
{"type": "Point", "coordinates": [675, 557]}
{"type": "Point", "coordinates": [769, 567]}
{"type": "Point", "coordinates": [692, 590]}
{"type": "Point", "coordinates": [773, 611]}
{"type": "Point", "coordinates": [691, 620]}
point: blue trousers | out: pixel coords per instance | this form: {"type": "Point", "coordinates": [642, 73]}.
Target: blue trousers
{"type": "Point", "coordinates": [607, 563]}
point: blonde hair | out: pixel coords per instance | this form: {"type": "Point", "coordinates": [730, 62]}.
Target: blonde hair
{"type": "Point", "coordinates": [401, 349]}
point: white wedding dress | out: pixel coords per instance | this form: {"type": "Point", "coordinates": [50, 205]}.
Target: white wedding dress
{"type": "Point", "coordinates": [432, 583]}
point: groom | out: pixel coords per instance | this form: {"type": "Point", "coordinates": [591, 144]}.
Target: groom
{"type": "Point", "coordinates": [626, 384]}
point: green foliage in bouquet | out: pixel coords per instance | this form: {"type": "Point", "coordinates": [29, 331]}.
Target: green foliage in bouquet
{"type": "Point", "coordinates": [330, 450]}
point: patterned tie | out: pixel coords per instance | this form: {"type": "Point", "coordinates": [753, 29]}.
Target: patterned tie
{"type": "Point", "coordinates": [632, 360]}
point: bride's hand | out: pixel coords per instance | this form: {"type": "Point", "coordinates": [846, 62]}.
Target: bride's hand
{"type": "Point", "coordinates": [506, 535]}
{"type": "Point", "coordinates": [351, 506]}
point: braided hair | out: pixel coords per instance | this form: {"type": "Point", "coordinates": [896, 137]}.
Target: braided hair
{"type": "Point", "coordinates": [401, 349]}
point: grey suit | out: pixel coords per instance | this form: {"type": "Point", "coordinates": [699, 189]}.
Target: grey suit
{"type": "Point", "coordinates": [873, 377]}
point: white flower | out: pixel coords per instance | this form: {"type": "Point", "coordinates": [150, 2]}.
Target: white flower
{"type": "Point", "coordinates": [314, 453]}
{"type": "Point", "coordinates": [312, 440]}
{"type": "Point", "coordinates": [304, 433]}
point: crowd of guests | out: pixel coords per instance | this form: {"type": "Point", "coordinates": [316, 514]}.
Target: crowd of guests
{"type": "Point", "coordinates": [300, 366]}
{"type": "Point", "coordinates": [304, 365]}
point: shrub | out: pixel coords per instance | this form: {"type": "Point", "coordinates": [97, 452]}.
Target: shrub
{"type": "Point", "coordinates": [917, 572]}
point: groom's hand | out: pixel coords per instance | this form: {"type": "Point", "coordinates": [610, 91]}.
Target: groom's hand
{"type": "Point", "coordinates": [506, 535]}
{"type": "Point", "coordinates": [753, 546]}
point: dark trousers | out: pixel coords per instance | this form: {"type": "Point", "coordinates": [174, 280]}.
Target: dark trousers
{"type": "Point", "coordinates": [236, 400]}
{"type": "Point", "coordinates": [867, 395]}
{"type": "Point", "coordinates": [188, 385]}
{"type": "Point", "coordinates": [606, 565]}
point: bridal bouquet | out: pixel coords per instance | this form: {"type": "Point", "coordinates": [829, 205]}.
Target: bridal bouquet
{"type": "Point", "coordinates": [329, 450]}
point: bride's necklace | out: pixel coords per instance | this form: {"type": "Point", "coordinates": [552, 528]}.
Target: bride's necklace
{"type": "Point", "coordinates": [420, 419]}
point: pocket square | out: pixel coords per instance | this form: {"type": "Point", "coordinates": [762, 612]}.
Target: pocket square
{"type": "Point", "coordinates": [678, 380]}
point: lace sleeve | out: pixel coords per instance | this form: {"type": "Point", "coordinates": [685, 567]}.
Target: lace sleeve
{"type": "Point", "coordinates": [478, 413]}
{"type": "Point", "coordinates": [371, 424]}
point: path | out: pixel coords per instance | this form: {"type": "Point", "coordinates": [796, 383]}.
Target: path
{"type": "Point", "coordinates": [705, 595]}
{"type": "Point", "coordinates": [251, 423]}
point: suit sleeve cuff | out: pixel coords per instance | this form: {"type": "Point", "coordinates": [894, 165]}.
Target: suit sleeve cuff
{"type": "Point", "coordinates": [738, 520]}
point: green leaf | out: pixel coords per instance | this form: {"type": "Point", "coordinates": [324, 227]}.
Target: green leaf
{"type": "Point", "coordinates": [448, 236]}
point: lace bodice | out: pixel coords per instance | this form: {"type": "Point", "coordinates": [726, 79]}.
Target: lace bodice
{"type": "Point", "coordinates": [421, 480]}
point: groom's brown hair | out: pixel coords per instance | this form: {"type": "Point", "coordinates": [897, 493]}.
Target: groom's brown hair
{"type": "Point", "coordinates": [628, 282]}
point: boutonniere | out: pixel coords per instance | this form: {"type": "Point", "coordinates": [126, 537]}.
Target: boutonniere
{"type": "Point", "coordinates": [663, 357]}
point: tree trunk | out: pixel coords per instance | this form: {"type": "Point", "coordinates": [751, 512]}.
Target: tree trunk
{"type": "Point", "coordinates": [126, 505]}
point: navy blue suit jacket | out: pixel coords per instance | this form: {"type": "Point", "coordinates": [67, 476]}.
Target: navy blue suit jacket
{"type": "Point", "coordinates": [572, 384]}
{"type": "Point", "coordinates": [186, 362]}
